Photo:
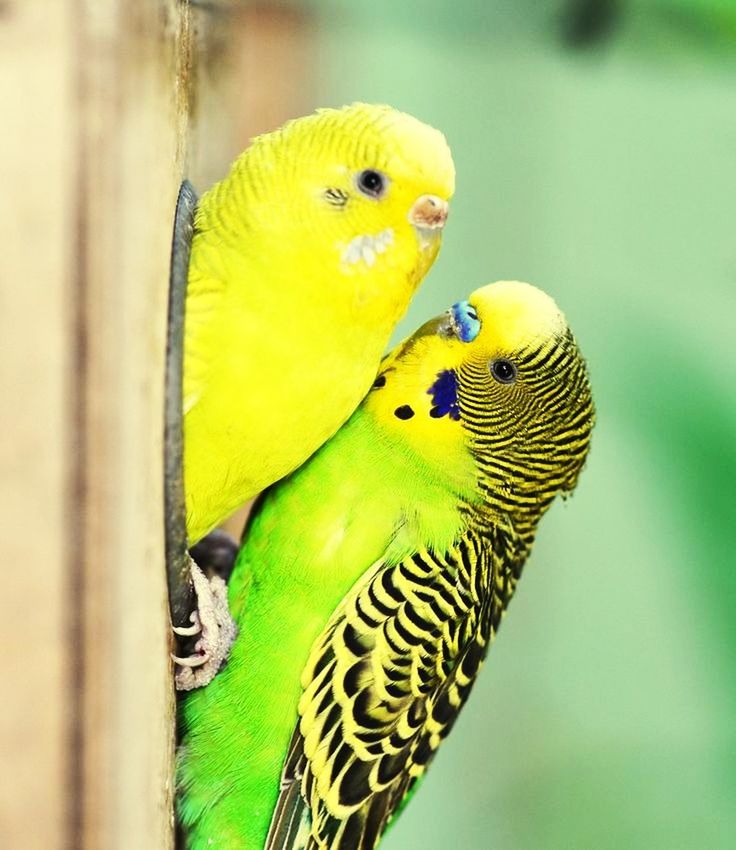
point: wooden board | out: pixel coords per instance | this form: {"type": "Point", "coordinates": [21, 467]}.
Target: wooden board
{"type": "Point", "coordinates": [95, 95]}
{"type": "Point", "coordinates": [38, 180]}
{"type": "Point", "coordinates": [106, 105]}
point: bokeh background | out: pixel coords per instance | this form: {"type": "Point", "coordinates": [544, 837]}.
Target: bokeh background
{"type": "Point", "coordinates": [595, 146]}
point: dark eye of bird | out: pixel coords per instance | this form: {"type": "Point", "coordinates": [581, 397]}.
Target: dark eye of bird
{"type": "Point", "coordinates": [503, 371]}
{"type": "Point", "coordinates": [372, 183]}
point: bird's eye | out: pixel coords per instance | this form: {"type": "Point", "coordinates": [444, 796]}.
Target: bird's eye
{"type": "Point", "coordinates": [372, 183]}
{"type": "Point", "coordinates": [503, 371]}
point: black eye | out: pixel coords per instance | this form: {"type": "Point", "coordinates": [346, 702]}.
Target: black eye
{"type": "Point", "coordinates": [503, 371]}
{"type": "Point", "coordinates": [372, 183]}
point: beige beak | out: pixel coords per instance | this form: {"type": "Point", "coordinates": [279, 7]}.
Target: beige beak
{"type": "Point", "coordinates": [429, 212]}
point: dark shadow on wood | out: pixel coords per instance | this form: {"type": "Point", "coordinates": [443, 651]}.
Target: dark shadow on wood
{"type": "Point", "coordinates": [177, 560]}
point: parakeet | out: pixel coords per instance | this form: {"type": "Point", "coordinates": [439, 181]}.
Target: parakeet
{"type": "Point", "coordinates": [371, 582]}
{"type": "Point", "coordinates": [303, 259]}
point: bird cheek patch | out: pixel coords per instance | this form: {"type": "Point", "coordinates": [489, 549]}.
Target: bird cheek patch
{"type": "Point", "coordinates": [444, 396]}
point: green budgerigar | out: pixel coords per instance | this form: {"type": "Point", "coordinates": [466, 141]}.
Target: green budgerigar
{"type": "Point", "coordinates": [371, 581]}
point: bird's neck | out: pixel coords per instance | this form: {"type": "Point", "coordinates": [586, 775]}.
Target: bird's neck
{"type": "Point", "coordinates": [516, 530]}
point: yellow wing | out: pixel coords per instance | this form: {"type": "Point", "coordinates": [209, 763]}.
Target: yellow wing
{"type": "Point", "coordinates": [383, 687]}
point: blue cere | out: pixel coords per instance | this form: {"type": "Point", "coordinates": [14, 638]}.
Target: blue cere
{"type": "Point", "coordinates": [444, 396]}
{"type": "Point", "coordinates": [466, 321]}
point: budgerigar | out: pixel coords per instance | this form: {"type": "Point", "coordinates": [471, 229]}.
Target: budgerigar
{"type": "Point", "coordinates": [303, 259]}
{"type": "Point", "coordinates": [371, 582]}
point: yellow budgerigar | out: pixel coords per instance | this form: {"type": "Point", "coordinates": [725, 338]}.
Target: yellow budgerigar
{"type": "Point", "coordinates": [304, 258]}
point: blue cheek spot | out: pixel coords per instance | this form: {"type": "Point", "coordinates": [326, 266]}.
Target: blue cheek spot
{"type": "Point", "coordinates": [467, 323]}
{"type": "Point", "coordinates": [444, 396]}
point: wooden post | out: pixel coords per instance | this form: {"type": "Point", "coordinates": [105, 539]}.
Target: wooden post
{"type": "Point", "coordinates": [36, 208]}
{"type": "Point", "coordinates": [106, 105]}
{"type": "Point", "coordinates": [94, 96]}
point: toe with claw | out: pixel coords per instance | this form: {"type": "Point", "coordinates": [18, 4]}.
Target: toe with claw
{"type": "Point", "coordinates": [187, 631]}
{"type": "Point", "coordinates": [216, 629]}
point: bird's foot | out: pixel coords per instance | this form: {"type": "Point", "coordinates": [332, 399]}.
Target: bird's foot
{"type": "Point", "coordinates": [216, 629]}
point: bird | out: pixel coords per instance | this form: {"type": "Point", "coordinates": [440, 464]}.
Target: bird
{"type": "Point", "coordinates": [303, 259]}
{"type": "Point", "coordinates": [371, 582]}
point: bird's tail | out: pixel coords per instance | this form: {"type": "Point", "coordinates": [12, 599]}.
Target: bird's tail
{"type": "Point", "coordinates": [291, 824]}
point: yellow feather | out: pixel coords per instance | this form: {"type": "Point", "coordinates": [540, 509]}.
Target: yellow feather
{"type": "Point", "coordinates": [292, 297]}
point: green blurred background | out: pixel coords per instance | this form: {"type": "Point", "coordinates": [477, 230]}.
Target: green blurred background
{"type": "Point", "coordinates": [595, 145]}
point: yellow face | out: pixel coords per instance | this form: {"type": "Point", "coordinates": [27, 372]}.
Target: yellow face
{"type": "Point", "coordinates": [497, 378]}
{"type": "Point", "coordinates": [366, 188]}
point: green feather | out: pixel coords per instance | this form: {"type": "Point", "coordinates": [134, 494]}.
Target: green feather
{"type": "Point", "coordinates": [370, 584]}
{"type": "Point", "coordinates": [308, 543]}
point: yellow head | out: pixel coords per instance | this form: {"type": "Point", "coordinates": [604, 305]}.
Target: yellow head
{"type": "Point", "coordinates": [496, 385]}
{"type": "Point", "coordinates": [356, 197]}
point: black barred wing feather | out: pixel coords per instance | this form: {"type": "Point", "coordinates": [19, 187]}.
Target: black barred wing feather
{"type": "Point", "coordinates": [383, 686]}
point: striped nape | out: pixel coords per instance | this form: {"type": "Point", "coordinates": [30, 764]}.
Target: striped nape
{"type": "Point", "coordinates": [530, 439]}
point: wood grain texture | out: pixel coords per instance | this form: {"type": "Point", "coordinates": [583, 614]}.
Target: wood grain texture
{"type": "Point", "coordinates": [129, 135]}
{"type": "Point", "coordinates": [36, 204]}
{"type": "Point", "coordinates": [106, 105]}
{"type": "Point", "coordinates": [95, 94]}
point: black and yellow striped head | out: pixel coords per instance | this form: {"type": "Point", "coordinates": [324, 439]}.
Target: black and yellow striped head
{"type": "Point", "coordinates": [497, 381]}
